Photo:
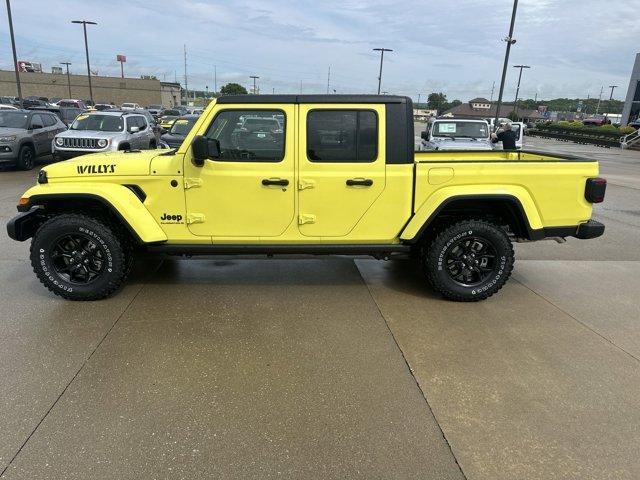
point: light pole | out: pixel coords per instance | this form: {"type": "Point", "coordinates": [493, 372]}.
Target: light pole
{"type": "Point", "coordinates": [515, 103]}
{"type": "Point", "coordinates": [510, 41]}
{"type": "Point", "coordinates": [84, 24]}
{"type": "Point", "coordinates": [255, 77]}
{"type": "Point", "coordinates": [612, 87]}
{"type": "Point", "coordinates": [68, 77]}
{"type": "Point", "coordinates": [15, 55]}
{"type": "Point", "coordinates": [381, 50]}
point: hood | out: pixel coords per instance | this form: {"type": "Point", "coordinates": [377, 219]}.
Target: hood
{"type": "Point", "coordinates": [461, 144]}
{"type": "Point", "coordinates": [5, 131]}
{"type": "Point", "coordinates": [104, 164]}
{"type": "Point", "coordinates": [88, 134]}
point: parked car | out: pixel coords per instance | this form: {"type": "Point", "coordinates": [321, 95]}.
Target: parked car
{"type": "Point", "coordinates": [70, 102]}
{"type": "Point", "coordinates": [7, 107]}
{"type": "Point", "coordinates": [9, 101]}
{"type": "Point", "coordinates": [155, 110]}
{"type": "Point", "coordinates": [166, 119]}
{"type": "Point", "coordinates": [596, 121]}
{"type": "Point", "coordinates": [104, 131]}
{"type": "Point", "coordinates": [130, 106]}
{"type": "Point", "coordinates": [66, 114]}
{"type": "Point", "coordinates": [26, 135]}
{"type": "Point", "coordinates": [635, 124]}
{"type": "Point", "coordinates": [518, 128]}
{"type": "Point", "coordinates": [456, 134]}
{"type": "Point", "coordinates": [31, 102]}
{"type": "Point", "coordinates": [194, 110]}
{"type": "Point", "coordinates": [341, 181]}
{"type": "Point", "coordinates": [179, 130]}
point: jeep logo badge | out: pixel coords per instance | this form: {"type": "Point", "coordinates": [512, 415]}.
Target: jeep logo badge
{"type": "Point", "coordinates": [169, 218]}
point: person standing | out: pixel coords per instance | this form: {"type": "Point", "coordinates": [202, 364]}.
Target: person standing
{"type": "Point", "coordinates": [505, 135]}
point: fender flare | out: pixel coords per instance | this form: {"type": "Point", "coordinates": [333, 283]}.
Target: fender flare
{"type": "Point", "coordinates": [516, 196]}
{"type": "Point", "coordinates": [118, 199]}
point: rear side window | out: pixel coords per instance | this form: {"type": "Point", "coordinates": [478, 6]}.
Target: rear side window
{"type": "Point", "coordinates": [49, 120]}
{"type": "Point", "coordinates": [342, 136]}
{"type": "Point", "coordinates": [249, 135]}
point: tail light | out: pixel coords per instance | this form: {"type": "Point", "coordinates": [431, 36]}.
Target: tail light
{"type": "Point", "coordinates": [594, 190]}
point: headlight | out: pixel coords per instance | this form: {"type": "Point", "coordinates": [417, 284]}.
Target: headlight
{"type": "Point", "coordinates": [8, 138]}
{"type": "Point", "coordinates": [59, 141]}
{"type": "Point", "coordinates": [102, 143]}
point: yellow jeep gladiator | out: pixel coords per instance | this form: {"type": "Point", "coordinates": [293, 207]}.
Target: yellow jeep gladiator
{"type": "Point", "coordinates": [303, 174]}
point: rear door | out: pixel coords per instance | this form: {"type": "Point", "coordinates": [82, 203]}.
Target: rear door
{"type": "Point", "coordinates": [38, 133]}
{"type": "Point", "coordinates": [341, 161]}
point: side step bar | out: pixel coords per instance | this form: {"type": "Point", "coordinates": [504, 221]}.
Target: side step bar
{"type": "Point", "coordinates": [373, 250]}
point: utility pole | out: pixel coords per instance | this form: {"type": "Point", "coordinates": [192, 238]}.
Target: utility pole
{"type": "Point", "coordinates": [612, 87]}
{"type": "Point", "coordinates": [273, 90]}
{"type": "Point", "coordinates": [599, 99]}
{"type": "Point", "coordinates": [586, 104]}
{"type": "Point", "coordinates": [186, 85]}
{"type": "Point", "coordinates": [510, 41]}
{"type": "Point", "coordinates": [255, 77]}
{"type": "Point", "coordinates": [300, 87]}
{"type": "Point", "coordinates": [381, 50]}
{"type": "Point", "coordinates": [215, 79]}
{"type": "Point", "coordinates": [418, 104]}
{"type": "Point", "coordinates": [68, 77]}
{"type": "Point", "coordinates": [15, 55]}
{"type": "Point", "coordinates": [328, 78]}
{"type": "Point", "coordinates": [493, 87]}
{"type": "Point", "coordinates": [86, 49]}
{"type": "Point", "coordinates": [515, 103]}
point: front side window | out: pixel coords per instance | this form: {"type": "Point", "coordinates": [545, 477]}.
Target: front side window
{"type": "Point", "coordinates": [342, 136]}
{"type": "Point", "coordinates": [102, 123]}
{"type": "Point", "coordinates": [249, 135]}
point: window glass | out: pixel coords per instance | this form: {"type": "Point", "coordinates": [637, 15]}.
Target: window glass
{"type": "Point", "coordinates": [460, 129]}
{"type": "Point", "coordinates": [49, 120]}
{"type": "Point", "coordinates": [37, 122]}
{"type": "Point", "coordinates": [103, 123]}
{"type": "Point", "coordinates": [342, 136]}
{"type": "Point", "coordinates": [249, 135]}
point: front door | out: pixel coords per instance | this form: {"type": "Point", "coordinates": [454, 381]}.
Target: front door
{"type": "Point", "coordinates": [341, 166]}
{"type": "Point", "coordinates": [249, 191]}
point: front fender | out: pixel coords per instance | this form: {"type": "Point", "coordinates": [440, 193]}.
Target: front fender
{"type": "Point", "coordinates": [118, 198]}
{"type": "Point", "coordinates": [438, 199]}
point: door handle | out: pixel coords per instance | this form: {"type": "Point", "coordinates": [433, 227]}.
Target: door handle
{"type": "Point", "coordinates": [364, 182]}
{"type": "Point", "coordinates": [282, 182]}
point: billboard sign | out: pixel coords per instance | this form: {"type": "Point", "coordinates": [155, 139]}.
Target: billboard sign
{"type": "Point", "coordinates": [121, 58]}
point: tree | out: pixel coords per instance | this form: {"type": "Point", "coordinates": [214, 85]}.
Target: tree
{"type": "Point", "coordinates": [436, 101]}
{"type": "Point", "coordinates": [233, 89]}
{"type": "Point", "coordinates": [513, 116]}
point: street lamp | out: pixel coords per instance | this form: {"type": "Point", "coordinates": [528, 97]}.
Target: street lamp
{"type": "Point", "coordinates": [68, 77]}
{"type": "Point", "coordinates": [510, 41]}
{"type": "Point", "coordinates": [84, 24]}
{"type": "Point", "coordinates": [612, 87]}
{"type": "Point", "coordinates": [15, 55]}
{"type": "Point", "coordinates": [515, 103]}
{"type": "Point", "coordinates": [255, 77]}
{"type": "Point", "coordinates": [381, 50]}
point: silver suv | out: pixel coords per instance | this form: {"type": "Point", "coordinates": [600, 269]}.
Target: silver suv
{"type": "Point", "coordinates": [103, 132]}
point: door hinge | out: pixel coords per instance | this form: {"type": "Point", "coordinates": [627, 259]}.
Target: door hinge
{"type": "Point", "coordinates": [303, 184]}
{"type": "Point", "coordinates": [195, 218]}
{"type": "Point", "coordinates": [306, 218]}
{"type": "Point", "coordinates": [192, 183]}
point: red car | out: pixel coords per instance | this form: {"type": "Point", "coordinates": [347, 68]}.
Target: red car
{"type": "Point", "coordinates": [597, 121]}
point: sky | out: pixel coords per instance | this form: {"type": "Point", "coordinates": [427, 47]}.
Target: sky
{"type": "Point", "coordinates": [573, 46]}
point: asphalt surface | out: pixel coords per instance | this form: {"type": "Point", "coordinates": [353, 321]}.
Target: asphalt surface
{"type": "Point", "coordinates": [331, 368]}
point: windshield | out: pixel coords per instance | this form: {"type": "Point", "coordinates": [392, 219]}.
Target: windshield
{"type": "Point", "coordinates": [155, 107]}
{"type": "Point", "coordinates": [182, 126]}
{"type": "Point", "coordinates": [13, 119]}
{"type": "Point", "coordinates": [461, 129]}
{"type": "Point", "coordinates": [102, 123]}
{"type": "Point", "coordinates": [254, 124]}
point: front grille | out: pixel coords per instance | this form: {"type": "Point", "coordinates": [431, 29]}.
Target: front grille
{"type": "Point", "coordinates": [89, 143]}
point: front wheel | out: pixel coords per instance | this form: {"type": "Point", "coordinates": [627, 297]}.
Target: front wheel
{"type": "Point", "coordinates": [469, 261]}
{"type": "Point", "coordinates": [78, 257]}
{"type": "Point", "coordinates": [26, 157]}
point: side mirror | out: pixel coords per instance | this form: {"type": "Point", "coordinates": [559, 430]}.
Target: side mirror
{"type": "Point", "coordinates": [204, 148]}
{"type": "Point", "coordinates": [134, 129]}
{"type": "Point", "coordinates": [425, 135]}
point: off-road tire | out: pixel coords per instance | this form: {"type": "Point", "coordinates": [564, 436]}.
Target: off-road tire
{"type": "Point", "coordinates": [26, 157]}
{"type": "Point", "coordinates": [438, 252]}
{"type": "Point", "coordinates": [114, 266]}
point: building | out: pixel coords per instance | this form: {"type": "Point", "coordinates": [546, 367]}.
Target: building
{"type": "Point", "coordinates": [105, 89]}
{"type": "Point", "coordinates": [481, 108]}
{"type": "Point", "coordinates": [170, 93]}
{"type": "Point", "coordinates": [631, 110]}
{"type": "Point", "coordinates": [422, 114]}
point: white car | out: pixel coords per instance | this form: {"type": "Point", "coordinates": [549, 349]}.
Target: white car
{"type": "Point", "coordinates": [456, 134]}
{"type": "Point", "coordinates": [517, 128]}
{"type": "Point", "coordinates": [7, 107]}
{"type": "Point", "coordinates": [130, 106]}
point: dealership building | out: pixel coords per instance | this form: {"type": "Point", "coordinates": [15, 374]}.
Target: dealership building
{"type": "Point", "coordinates": [105, 89]}
{"type": "Point", "coordinates": [631, 110]}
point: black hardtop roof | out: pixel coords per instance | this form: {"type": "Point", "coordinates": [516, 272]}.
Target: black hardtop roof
{"type": "Point", "coordinates": [312, 99]}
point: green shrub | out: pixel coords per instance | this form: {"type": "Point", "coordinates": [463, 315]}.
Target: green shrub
{"type": "Point", "coordinates": [608, 128]}
{"type": "Point", "coordinates": [626, 130]}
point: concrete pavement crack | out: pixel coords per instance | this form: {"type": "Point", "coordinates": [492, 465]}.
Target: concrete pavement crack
{"type": "Point", "coordinates": [55, 402]}
{"type": "Point", "coordinates": [406, 362]}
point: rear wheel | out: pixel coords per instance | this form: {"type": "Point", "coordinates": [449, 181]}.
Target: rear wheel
{"type": "Point", "coordinates": [26, 157]}
{"type": "Point", "coordinates": [78, 257]}
{"type": "Point", "coordinates": [469, 260]}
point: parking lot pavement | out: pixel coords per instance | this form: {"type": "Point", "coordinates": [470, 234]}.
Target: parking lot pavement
{"type": "Point", "coordinates": [331, 368]}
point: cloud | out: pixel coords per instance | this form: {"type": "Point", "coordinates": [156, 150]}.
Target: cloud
{"type": "Point", "coordinates": [573, 46]}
